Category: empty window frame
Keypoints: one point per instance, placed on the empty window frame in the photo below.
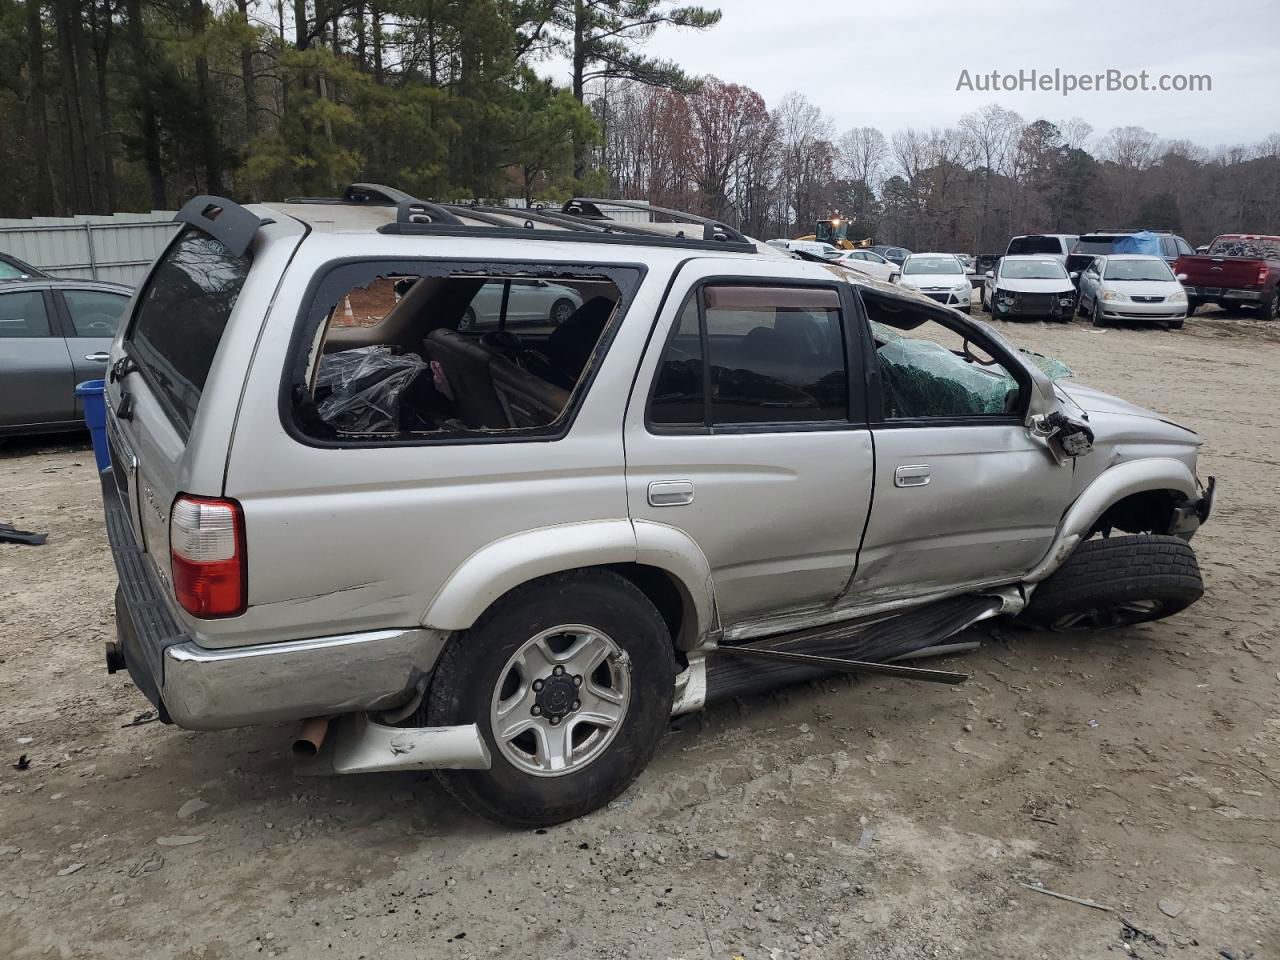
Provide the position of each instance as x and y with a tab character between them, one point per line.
423	352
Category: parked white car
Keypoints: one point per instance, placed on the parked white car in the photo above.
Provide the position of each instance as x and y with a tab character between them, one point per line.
939	276
870	263
1036	286
528	302
1132	287
815	247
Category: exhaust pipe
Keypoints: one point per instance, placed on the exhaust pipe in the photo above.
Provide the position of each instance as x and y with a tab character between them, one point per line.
311	736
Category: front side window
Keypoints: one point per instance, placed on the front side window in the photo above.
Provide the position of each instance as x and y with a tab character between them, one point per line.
181	317
94	313
928	370
767	354
23	315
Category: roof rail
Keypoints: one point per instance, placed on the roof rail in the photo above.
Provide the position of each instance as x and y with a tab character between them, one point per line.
589	208
423	211
1131	230
375	193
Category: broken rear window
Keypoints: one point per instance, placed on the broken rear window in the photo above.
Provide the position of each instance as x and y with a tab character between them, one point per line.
455	353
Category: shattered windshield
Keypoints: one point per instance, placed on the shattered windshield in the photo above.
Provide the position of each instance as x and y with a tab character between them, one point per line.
1048	269
1153	269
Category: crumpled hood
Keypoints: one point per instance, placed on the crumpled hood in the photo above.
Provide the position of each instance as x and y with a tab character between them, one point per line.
1095	401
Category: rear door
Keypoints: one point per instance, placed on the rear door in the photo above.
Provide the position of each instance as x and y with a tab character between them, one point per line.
743	433
36	382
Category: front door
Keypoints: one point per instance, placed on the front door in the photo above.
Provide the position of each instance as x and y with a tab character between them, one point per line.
964	494
741	432
36	385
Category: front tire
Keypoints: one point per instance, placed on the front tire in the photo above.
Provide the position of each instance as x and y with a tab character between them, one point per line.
1096	316
1113	582
570	680
561	310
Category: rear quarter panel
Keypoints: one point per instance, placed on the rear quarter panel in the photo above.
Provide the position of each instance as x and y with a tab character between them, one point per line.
345	539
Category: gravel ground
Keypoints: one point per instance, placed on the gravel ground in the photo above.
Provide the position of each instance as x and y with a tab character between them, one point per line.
855	818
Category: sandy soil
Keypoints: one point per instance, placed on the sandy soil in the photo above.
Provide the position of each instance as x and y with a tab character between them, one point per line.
853	818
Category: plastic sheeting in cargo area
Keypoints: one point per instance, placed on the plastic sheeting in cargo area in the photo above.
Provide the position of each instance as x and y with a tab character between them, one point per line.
925	379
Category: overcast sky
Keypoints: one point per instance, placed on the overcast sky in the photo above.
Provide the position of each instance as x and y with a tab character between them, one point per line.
896	63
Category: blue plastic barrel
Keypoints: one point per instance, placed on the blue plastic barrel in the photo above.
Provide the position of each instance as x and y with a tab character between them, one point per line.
95	418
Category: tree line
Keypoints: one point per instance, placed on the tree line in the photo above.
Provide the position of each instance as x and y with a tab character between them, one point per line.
720	151
110	105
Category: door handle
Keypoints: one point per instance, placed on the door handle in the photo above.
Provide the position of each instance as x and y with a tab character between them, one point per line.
670	493
912	475
99	357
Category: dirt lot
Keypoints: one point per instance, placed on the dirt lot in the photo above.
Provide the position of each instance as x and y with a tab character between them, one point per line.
1138	769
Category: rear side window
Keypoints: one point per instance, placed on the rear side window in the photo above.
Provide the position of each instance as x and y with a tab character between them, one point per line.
769	354
23	315
181	317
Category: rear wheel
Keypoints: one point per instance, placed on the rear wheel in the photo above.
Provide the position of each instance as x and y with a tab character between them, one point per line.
1271	309
570	680
1117	581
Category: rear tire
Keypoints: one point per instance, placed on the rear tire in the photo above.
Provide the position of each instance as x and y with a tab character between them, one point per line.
1113	582
1271	310
498	660
561	311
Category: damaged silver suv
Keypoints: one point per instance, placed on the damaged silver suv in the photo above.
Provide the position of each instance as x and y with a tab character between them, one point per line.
497	492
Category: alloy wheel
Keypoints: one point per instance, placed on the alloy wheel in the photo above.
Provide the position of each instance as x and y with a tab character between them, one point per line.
1107	617
560	700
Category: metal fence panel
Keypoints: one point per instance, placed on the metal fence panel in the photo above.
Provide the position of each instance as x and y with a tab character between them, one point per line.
119	247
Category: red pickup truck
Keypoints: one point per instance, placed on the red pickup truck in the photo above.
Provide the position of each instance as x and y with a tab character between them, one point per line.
1238	270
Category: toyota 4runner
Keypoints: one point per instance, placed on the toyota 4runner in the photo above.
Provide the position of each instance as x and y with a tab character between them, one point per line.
497	492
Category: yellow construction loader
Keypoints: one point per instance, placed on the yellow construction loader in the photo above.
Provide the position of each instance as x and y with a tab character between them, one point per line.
835	231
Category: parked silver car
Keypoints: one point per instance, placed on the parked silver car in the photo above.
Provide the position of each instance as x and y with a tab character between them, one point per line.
1132	287
53	335
513	557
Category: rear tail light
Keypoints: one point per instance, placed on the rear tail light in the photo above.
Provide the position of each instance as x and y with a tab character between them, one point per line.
206	548
1262	275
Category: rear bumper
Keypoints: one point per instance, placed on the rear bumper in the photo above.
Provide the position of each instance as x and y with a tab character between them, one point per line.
1224	293
204	689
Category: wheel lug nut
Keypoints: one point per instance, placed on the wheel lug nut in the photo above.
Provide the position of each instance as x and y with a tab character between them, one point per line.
537	685
536	711
577	681
577	704
555	721
558	671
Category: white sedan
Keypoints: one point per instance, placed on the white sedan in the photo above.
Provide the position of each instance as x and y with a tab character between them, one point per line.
870	263
1132	287
1029	285
939	276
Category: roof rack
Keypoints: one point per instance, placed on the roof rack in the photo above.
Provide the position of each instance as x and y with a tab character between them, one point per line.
712	230
1132	230
582	217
